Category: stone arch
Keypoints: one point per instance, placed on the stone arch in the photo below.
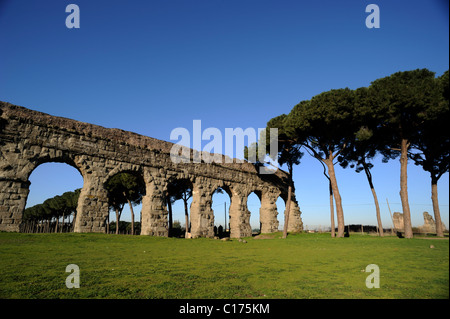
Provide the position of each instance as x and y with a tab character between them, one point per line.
226	187
16	189
29	137
35	163
123	168
283	196
173	176
66	179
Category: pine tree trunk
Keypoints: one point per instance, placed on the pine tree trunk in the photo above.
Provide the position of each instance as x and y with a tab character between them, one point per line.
62	224
117	221
377	207
132	217
333	227
337	197
287	210
404	189
288	203
437	213
186	215
375	199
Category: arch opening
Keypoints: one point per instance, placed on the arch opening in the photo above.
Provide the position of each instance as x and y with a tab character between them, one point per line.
125	192
220	205
51	203
178	200
281	207
254	207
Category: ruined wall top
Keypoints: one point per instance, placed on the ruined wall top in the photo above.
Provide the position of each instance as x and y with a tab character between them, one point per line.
90	131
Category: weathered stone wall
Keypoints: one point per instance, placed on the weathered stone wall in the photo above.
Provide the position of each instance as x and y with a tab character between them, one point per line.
398	221
429	225
29	138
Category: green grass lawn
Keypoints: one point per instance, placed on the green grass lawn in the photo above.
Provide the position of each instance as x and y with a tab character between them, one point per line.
301	266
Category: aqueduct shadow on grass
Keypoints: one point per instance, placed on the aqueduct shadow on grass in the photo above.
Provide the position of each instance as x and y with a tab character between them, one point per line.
29	138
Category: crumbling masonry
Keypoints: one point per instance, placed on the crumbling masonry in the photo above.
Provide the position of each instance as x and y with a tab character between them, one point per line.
29	138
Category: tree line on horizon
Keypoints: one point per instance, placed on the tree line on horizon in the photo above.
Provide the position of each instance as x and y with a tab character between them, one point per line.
55	208
404	115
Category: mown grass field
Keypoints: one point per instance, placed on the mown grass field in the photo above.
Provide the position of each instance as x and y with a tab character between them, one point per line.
301	266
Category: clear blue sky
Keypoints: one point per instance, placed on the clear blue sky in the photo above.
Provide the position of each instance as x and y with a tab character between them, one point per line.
152	66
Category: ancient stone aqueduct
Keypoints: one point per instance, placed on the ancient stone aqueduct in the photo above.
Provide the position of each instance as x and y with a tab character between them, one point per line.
30	138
